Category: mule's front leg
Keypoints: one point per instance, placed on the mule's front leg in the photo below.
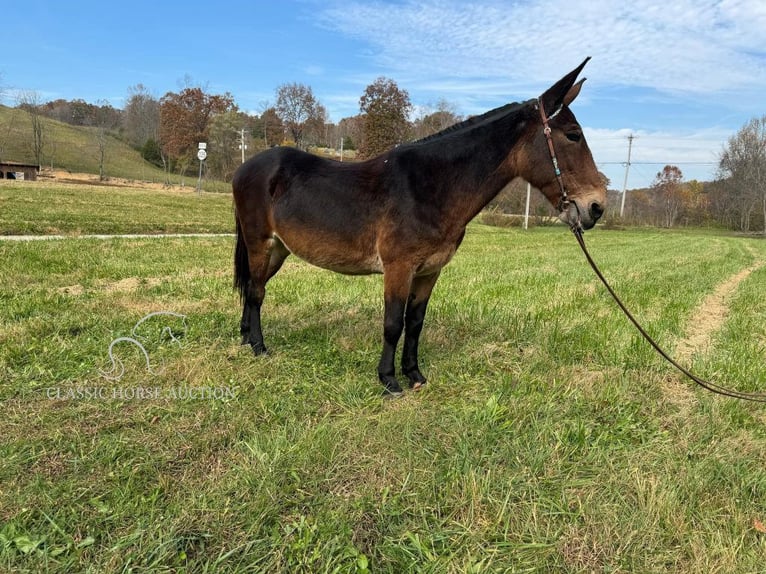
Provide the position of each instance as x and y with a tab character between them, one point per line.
393	323
415	314
396	289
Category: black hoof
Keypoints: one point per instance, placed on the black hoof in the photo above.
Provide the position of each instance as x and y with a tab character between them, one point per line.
391	394
417	380
259	349
391	387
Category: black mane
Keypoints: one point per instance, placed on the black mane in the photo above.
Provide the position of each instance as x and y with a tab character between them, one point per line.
472	122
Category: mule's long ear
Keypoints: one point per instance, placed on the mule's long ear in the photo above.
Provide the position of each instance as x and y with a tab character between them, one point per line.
562	92
573	92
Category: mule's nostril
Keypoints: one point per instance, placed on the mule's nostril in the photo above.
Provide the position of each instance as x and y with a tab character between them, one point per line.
596	210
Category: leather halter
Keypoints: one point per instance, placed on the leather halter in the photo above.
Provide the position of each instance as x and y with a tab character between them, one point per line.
564	201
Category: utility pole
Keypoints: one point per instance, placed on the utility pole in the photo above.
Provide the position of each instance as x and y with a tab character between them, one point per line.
526	209
627	168
242	144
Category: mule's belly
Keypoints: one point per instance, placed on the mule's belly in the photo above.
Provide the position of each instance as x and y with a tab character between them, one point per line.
332	252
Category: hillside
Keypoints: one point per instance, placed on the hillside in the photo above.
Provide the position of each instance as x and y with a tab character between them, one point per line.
74	149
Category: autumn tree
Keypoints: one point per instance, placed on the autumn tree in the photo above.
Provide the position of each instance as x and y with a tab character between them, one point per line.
315	132
669	194
297	108
386	108
184	121
272	128
742	169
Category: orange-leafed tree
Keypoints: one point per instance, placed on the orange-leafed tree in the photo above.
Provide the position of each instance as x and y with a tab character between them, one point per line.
184	121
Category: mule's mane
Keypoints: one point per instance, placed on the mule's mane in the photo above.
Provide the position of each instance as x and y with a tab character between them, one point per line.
473	121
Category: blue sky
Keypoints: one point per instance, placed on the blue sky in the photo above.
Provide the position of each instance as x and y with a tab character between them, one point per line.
682	75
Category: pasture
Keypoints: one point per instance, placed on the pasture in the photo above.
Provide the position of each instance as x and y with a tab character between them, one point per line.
550	437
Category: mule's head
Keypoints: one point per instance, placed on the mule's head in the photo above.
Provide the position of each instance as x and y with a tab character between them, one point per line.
558	162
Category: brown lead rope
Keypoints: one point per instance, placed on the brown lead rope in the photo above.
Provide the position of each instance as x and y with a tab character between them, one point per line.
757	397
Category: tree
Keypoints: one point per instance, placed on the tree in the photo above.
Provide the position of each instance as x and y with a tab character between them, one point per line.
316	128
742	167
669	194
30	102
102	121
296	106
223	143
350	129
184	121
273	128
443	116
386	109
141	117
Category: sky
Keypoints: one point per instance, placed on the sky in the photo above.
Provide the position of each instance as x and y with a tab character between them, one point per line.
682	76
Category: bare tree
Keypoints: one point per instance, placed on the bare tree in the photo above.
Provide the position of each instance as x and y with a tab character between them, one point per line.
297	106
742	166
6	126
141	117
434	119
29	101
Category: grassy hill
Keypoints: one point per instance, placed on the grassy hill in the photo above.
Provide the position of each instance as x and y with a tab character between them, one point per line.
74	148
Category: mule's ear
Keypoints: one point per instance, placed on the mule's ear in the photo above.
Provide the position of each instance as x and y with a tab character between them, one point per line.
562	92
573	92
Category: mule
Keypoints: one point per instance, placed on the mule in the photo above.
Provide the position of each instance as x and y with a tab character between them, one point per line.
404	213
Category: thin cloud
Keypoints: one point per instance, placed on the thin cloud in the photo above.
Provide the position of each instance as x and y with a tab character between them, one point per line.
687	46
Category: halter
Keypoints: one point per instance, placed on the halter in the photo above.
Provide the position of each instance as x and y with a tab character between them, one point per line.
564	202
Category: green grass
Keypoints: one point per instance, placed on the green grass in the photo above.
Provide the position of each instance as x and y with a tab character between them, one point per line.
549	439
38	208
75	148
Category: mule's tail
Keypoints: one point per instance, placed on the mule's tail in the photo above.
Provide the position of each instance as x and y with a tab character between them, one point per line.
241	264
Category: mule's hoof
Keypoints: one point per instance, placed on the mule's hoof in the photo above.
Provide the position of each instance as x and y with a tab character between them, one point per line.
392	394
417	380
391	387
259	349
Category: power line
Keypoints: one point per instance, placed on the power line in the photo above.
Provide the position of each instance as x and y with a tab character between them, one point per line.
658	162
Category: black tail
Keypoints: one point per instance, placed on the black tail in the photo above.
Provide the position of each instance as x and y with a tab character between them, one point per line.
241	264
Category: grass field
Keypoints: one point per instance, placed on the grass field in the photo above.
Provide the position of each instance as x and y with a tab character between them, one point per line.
36	208
550	438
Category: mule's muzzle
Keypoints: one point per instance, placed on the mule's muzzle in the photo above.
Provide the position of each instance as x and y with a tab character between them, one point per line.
581	217
596	210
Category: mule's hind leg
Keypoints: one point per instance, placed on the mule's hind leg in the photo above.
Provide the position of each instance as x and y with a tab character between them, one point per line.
414	315
265	257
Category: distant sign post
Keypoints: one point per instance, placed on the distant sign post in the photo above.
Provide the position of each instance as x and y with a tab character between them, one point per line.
201	156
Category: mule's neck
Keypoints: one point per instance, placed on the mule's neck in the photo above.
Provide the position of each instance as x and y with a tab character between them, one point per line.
473	163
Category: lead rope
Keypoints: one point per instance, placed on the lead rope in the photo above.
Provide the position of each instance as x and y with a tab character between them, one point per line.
712	387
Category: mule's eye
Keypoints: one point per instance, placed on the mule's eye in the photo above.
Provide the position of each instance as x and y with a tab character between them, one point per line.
574	136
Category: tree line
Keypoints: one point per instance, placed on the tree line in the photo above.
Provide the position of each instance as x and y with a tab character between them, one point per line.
167	131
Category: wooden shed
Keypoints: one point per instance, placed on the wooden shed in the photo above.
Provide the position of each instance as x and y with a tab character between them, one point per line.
16	170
